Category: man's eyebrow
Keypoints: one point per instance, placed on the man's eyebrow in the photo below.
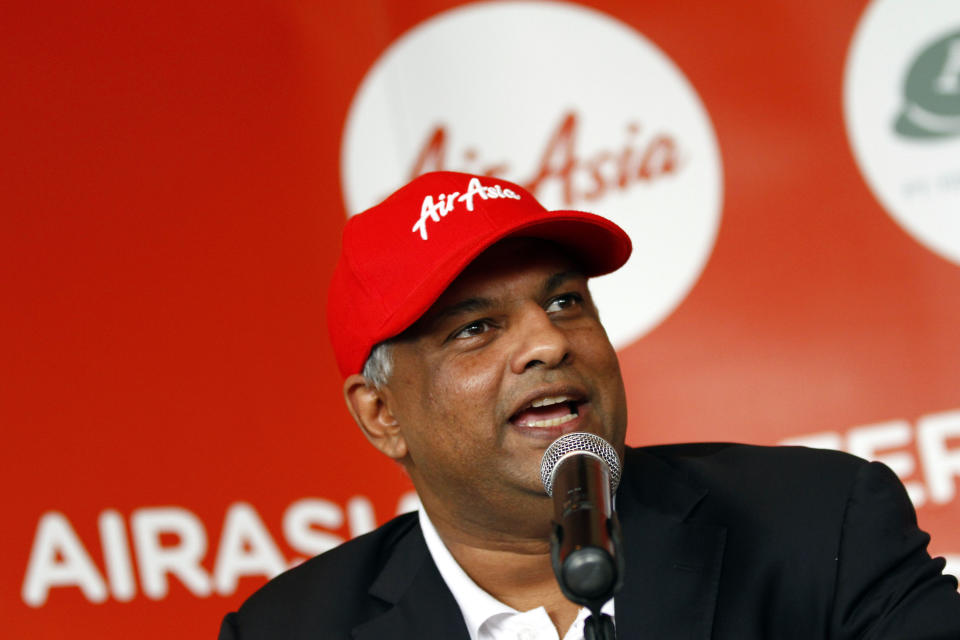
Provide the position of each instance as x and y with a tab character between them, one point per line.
479	304
559	279
468	305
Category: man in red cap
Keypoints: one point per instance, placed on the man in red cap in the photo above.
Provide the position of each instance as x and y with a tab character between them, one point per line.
462	323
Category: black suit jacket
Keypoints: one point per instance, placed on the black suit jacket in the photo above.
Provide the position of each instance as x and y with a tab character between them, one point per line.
721	541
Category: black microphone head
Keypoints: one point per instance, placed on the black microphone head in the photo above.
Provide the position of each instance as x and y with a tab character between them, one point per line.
578	443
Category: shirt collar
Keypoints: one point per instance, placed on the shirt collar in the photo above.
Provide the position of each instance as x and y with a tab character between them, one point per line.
476	604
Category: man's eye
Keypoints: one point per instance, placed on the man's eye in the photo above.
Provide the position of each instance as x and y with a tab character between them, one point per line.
475	328
564	301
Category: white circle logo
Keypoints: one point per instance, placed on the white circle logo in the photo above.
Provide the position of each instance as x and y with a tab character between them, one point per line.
577	107
902	110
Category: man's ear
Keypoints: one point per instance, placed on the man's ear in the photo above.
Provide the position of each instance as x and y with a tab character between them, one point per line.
370	408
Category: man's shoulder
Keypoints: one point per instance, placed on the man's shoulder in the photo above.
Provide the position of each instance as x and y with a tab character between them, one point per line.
330	589
355	561
788	485
748	462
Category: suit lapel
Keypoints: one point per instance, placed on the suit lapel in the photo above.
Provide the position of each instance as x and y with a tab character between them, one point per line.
672	564
422	605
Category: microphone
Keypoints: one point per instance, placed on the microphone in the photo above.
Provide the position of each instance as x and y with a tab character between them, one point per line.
581	472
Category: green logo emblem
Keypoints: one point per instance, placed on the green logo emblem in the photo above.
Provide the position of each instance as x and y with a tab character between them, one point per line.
932	92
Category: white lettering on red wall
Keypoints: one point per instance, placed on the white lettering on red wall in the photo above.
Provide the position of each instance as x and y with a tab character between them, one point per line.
59	559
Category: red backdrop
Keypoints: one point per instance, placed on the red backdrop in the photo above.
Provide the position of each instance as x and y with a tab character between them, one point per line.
172	199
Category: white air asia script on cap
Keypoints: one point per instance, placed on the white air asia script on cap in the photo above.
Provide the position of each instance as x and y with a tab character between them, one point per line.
446	202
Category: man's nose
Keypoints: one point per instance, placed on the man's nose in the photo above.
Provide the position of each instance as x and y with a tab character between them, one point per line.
539	341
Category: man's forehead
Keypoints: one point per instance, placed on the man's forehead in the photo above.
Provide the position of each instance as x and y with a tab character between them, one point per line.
515	258
528	262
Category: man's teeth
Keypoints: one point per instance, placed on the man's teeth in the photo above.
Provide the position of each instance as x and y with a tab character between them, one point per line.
543	402
552	423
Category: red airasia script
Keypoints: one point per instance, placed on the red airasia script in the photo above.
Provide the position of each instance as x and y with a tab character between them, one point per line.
581	178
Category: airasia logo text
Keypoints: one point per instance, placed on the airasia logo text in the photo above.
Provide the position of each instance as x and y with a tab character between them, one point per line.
581	178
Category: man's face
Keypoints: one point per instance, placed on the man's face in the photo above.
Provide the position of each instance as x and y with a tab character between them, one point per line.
509	358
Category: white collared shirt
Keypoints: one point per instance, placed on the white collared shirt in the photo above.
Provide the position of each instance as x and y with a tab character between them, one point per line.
487	618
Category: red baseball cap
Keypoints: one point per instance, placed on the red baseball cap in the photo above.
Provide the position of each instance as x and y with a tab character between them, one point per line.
399	256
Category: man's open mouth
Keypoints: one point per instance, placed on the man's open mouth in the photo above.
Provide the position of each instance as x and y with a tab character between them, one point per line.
547	412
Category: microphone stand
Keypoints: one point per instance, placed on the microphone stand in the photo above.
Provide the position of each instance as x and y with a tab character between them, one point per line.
599	625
